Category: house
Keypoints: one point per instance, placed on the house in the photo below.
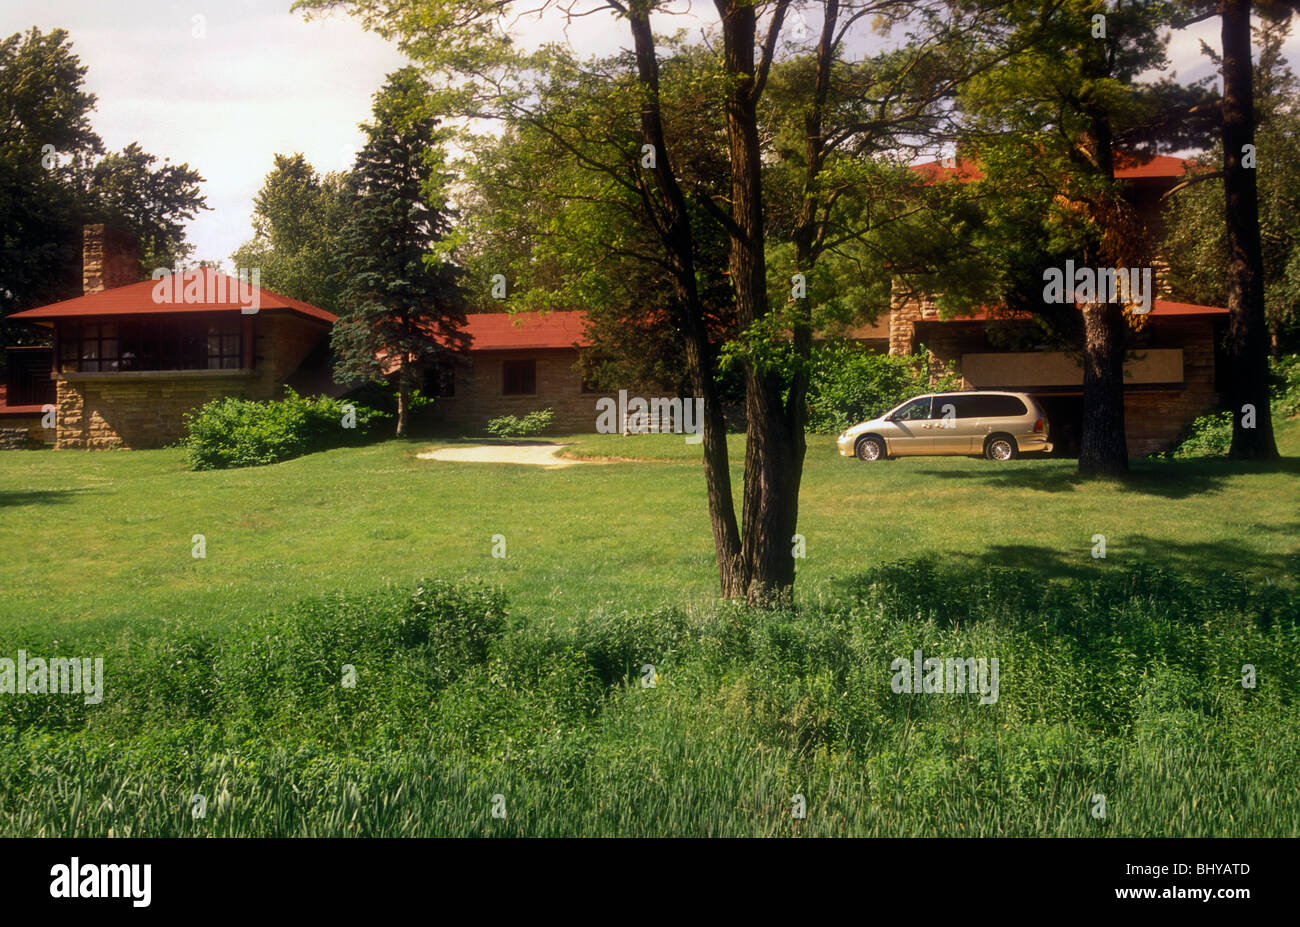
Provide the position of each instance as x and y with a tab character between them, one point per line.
130	358
1174	369
519	364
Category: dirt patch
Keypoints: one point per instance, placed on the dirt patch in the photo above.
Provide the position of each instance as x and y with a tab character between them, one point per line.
537	455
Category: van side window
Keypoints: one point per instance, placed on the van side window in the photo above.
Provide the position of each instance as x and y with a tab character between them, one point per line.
914	411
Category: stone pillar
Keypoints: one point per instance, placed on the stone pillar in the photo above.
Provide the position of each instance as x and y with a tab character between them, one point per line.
905	311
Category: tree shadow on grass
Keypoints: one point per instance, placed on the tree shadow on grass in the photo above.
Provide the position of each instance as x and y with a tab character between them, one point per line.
1132	551
38	496
1169	479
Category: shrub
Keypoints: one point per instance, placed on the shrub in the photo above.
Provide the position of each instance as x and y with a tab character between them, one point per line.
1210	435
234	432
511	426
849	384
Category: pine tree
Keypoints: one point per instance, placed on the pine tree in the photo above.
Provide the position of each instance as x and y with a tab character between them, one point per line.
403	310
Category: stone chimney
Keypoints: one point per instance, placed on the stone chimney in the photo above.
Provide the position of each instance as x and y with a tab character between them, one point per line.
109	258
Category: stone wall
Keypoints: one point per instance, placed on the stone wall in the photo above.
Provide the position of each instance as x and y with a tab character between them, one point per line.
559	388
143	409
1154	418
22	432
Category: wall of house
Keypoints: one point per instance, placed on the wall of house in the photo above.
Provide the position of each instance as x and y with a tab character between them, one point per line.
559	388
1153	418
17	432
143	409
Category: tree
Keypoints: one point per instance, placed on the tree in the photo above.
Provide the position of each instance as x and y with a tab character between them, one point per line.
1047	125
126	190
402	306
55	178
298	218
487	77
1195	245
1252	435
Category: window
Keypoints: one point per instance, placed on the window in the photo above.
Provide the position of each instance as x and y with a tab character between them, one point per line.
915	410
440	380
100	347
518	377
981	405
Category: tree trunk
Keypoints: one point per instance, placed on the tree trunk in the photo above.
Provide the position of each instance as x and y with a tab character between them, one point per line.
1103	445
1103	450
774	440
1248	339
403	397
678	238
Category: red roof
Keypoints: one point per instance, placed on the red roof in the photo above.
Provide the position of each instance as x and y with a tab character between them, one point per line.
219	293
523	331
1161	308
1126	168
502	331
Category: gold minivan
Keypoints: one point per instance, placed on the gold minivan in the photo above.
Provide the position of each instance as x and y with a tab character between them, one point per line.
996	425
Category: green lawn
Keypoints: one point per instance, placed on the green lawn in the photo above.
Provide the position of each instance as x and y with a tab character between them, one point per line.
223	678
106	537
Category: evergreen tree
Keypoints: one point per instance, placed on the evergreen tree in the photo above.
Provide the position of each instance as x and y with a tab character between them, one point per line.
403	310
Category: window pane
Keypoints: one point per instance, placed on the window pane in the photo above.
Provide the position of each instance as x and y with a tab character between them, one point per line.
519	377
108	349
914	410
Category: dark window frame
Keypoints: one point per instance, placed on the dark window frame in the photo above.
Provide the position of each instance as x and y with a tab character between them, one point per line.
129	345
524	370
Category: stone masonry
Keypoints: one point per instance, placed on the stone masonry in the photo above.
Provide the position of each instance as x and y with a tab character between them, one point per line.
147	408
559	388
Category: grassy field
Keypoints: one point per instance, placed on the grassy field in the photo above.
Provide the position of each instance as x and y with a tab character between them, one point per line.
522	677
104	540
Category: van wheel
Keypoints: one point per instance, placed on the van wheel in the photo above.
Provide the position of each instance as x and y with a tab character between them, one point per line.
1001	447
869	448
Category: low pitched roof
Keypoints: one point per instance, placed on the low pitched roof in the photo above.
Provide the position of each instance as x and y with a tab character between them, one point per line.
139	299
1127	167
1160	308
502	331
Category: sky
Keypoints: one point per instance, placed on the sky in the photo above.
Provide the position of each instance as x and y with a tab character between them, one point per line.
226	86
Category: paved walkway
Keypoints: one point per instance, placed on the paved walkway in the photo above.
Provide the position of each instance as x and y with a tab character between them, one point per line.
539	455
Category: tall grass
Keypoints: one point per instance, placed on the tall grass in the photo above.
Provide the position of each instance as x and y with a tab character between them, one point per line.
1127	685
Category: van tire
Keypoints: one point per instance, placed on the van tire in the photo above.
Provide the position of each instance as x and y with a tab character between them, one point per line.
1001	447
869	448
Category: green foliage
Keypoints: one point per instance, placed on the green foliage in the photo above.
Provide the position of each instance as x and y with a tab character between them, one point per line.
1126	682
849	384
298	217
512	426
234	432
401	303
55	177
1210	435
1195	243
